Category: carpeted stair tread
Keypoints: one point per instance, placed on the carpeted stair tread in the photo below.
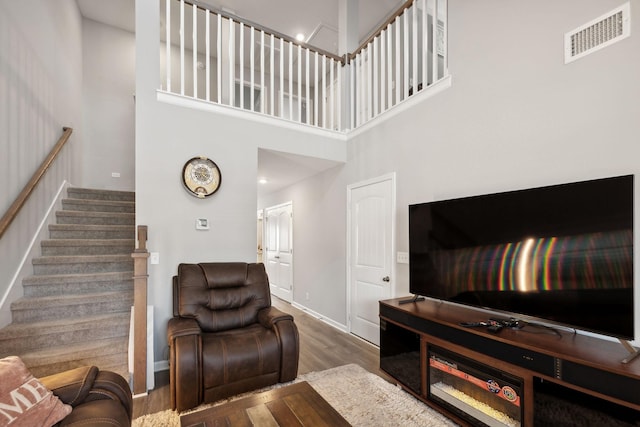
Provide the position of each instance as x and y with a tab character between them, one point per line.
95	217
17	338
70	259
98	205
66	300
67	247
88	242
63	284
17	330
91	227
105	354
82	263
98	194
34	309
89	231
78	278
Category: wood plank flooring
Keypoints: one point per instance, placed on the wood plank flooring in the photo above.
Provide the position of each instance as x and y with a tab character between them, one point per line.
321	347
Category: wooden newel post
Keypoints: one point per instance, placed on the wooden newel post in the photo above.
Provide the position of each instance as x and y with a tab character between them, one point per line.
140	275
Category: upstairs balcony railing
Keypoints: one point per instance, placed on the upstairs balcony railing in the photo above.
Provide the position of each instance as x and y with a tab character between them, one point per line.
219	58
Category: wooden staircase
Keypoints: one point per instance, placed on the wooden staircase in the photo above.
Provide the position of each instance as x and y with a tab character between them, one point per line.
76	305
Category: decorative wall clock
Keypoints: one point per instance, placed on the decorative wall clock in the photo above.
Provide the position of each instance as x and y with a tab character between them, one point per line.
201	177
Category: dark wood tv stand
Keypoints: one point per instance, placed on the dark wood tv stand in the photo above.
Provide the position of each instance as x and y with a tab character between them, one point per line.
574	361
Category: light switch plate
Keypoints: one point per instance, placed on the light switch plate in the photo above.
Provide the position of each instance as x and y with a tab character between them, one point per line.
154	258
403	257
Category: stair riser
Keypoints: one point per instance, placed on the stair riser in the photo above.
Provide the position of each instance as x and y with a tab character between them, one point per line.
67	311
100	220
80	206
44	340
91	234
79	268
87	250
43	289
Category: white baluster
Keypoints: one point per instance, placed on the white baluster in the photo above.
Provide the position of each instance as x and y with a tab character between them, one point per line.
241	66
208	54
252	69
168	43
194	51
181	47
405	55
219	60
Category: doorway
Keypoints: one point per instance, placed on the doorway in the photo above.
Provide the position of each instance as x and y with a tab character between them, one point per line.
370	248
278	249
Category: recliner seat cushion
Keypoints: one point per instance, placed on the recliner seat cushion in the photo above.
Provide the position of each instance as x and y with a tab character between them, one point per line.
239	355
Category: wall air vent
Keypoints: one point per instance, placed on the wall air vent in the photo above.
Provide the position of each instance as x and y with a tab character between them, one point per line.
597	34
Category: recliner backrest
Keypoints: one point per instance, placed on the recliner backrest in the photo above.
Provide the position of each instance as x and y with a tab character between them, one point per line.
221	296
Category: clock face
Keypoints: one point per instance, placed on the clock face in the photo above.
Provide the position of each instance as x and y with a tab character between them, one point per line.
201	177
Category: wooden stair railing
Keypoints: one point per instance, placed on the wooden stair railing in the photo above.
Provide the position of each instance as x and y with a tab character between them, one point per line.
22	198
140	276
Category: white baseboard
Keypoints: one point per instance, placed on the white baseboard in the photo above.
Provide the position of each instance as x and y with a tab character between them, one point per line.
31	252
319	316
161	365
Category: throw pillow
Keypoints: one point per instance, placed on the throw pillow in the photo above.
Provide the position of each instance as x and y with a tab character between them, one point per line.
24	401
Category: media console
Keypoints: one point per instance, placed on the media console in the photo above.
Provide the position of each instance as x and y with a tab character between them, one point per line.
456	369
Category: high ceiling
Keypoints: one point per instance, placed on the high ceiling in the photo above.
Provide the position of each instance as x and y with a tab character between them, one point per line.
316	19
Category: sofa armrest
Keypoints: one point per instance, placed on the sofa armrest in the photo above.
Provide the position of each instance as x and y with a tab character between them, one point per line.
269	316
111	386
98	398
72	386
182	326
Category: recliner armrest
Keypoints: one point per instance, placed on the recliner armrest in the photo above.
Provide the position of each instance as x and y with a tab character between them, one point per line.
72	386
269	316
180	326
285	328
185	361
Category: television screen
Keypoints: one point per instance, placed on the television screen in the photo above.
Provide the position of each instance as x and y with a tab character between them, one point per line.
562	253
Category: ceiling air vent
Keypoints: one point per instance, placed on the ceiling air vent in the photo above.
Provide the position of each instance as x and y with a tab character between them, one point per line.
601	32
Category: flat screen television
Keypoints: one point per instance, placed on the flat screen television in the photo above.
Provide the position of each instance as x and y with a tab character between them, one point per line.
561	254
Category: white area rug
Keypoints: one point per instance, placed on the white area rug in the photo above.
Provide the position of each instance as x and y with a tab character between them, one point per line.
362	398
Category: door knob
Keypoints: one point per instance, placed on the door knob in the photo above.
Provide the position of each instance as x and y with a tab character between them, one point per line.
386	279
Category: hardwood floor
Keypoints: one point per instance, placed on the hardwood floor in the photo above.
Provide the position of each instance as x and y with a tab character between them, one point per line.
321	347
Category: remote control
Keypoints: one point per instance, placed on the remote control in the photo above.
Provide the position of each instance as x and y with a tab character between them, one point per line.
473	324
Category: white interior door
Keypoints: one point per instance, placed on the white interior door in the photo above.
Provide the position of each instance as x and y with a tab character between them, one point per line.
278	249
371	224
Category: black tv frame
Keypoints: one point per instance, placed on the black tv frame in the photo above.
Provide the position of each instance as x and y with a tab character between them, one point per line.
607	195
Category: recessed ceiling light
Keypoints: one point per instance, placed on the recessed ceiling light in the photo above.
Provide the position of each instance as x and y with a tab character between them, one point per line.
262	181
300	37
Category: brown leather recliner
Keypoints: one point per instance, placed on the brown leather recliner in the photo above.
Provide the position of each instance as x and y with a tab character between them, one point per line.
99	398
225	337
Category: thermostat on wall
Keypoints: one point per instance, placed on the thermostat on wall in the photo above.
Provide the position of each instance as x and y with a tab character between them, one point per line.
202	224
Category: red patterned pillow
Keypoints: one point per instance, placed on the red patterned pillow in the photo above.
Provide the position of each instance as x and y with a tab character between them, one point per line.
24	401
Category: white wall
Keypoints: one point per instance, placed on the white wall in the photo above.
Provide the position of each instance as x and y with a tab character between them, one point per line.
515	117
40	92
108	93
319	245
166	137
